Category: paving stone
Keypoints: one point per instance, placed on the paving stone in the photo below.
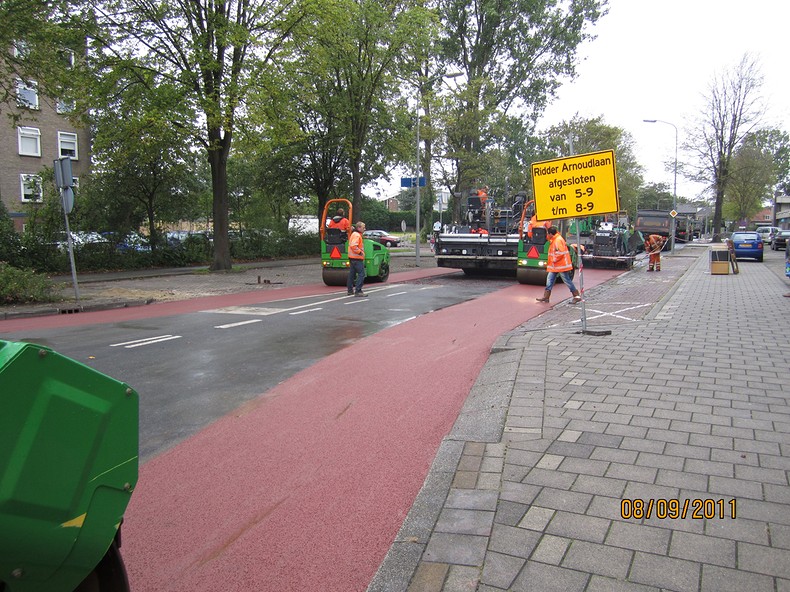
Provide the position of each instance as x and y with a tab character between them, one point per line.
602	584
740	529
461	549
500	570
558	499
580	527
599	485
510	513
719	579
598	559
704	549
429	577
471	499
462	579
556	479
548	578
518	542
551	549
665	572
764	560
465	521
639	537
537	518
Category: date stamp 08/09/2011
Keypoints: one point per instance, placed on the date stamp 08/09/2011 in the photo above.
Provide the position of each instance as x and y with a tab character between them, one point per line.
674	509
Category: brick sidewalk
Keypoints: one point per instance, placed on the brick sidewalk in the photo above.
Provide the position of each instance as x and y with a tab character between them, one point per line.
537	486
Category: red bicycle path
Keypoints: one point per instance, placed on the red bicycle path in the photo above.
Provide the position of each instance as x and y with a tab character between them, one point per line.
306	486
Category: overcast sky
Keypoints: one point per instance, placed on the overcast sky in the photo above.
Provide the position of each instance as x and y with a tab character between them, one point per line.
656	60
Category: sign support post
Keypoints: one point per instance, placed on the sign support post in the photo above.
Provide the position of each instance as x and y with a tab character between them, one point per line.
65	182
574	187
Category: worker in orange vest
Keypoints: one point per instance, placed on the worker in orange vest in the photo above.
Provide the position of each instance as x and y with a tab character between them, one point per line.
559	264
356	260
340	221
534	222
653	245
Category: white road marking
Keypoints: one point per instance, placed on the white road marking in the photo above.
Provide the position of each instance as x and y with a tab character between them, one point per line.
298	312
246	310
240	323
258	311
148	341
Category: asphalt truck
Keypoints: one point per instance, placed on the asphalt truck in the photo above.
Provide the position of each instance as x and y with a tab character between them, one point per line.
68	467
606	241
334	251
487	239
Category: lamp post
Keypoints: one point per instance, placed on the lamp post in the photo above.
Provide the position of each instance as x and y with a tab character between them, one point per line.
675	188
421	84
417	185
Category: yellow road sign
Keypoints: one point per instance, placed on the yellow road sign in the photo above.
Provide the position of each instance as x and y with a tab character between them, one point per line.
575	186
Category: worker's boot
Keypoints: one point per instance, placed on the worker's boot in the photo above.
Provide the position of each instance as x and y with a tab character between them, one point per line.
546	296
576	297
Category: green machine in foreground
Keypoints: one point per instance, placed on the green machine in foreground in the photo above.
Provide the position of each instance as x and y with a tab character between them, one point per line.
533	252
334	252
68	466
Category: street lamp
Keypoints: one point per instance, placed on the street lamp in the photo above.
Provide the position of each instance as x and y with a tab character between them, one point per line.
417	178
420	93
675	188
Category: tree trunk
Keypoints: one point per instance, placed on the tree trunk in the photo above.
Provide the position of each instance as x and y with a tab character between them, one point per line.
218	161
357	184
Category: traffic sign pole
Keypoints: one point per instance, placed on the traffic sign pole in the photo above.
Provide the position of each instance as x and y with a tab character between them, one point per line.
575	187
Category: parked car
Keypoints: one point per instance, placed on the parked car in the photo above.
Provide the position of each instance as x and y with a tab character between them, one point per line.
780	240
748	245
767	233
383	237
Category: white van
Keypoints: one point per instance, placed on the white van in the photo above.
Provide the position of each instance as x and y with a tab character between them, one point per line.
767	233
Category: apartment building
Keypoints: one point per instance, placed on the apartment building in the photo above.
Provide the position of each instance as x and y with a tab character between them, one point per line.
42	134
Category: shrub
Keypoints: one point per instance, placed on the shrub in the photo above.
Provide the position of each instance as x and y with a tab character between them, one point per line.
18	286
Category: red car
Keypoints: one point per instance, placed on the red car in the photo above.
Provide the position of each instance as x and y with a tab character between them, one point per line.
383	237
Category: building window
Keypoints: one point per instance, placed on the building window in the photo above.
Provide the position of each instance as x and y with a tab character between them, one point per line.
67	145
29	141
21	49
27	94
67	57
30	188
64	106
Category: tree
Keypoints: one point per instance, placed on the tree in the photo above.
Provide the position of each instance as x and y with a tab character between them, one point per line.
358	54
655	196
211	53
43	35
733	110
777	143
593	135
752	177
144	167
513	56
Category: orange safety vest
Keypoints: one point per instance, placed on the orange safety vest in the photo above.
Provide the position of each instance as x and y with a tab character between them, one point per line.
559	256
533	222
654	243
356	246
338	222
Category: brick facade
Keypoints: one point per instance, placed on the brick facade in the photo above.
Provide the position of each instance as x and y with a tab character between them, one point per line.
49	124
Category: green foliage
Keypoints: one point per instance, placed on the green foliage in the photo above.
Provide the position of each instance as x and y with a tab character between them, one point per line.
512	56
10	243
374	214
593	135
20	286
752	179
